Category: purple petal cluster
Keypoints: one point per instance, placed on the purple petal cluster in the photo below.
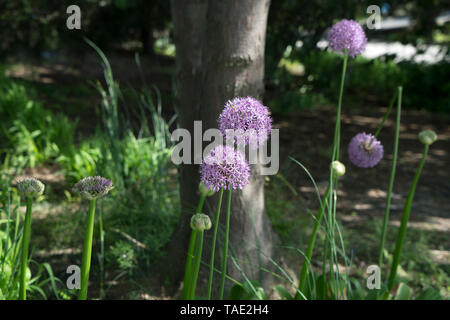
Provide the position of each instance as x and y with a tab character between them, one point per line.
225	167
249	118
363	152
93	187
347	35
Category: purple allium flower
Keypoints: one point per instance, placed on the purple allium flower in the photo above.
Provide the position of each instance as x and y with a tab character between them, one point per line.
224	167
347	35
248	115
30	187
363	152
93	187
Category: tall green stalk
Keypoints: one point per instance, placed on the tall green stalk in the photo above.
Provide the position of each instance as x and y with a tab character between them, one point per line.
102	253
25	245
196	265
388	111
225	248
392	176
404	222
188	269
213	245
312	240
190	255
335	157
337	129
87	252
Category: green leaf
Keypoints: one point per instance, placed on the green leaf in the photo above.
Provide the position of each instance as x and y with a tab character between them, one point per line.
403	292
283	292
248	291
429	294
373	295
321	288
237	292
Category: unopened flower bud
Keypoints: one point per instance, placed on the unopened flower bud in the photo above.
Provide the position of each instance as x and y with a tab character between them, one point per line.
427	137
200	222
338	168
30	187
204	190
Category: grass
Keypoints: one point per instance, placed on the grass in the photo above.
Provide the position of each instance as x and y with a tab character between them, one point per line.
290	217
142	211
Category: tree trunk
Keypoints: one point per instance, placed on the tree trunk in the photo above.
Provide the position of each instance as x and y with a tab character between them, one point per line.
220	55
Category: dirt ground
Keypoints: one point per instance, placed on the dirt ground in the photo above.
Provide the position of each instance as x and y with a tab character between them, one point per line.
307	135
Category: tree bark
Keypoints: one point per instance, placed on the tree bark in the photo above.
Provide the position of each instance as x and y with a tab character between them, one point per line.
220	55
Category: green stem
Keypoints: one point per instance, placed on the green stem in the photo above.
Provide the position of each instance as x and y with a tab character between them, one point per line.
200	203
311	244
25	245
404	222
190	255
87	252
334	157
391	178
225	249
337	129
188	270
197	260
213	245
380	126
102	251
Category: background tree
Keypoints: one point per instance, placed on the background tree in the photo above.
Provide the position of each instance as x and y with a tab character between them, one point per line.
220	55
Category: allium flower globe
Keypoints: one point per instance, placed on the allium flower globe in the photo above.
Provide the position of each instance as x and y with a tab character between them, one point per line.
225	167
30	187
363	152
249	115
93	187
347	35
200	222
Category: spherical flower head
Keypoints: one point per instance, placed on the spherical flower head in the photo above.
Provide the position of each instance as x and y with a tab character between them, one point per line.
365	151
427	137
92	188
249	118
200	222
347	35
204	190
30	187
338	168
224	167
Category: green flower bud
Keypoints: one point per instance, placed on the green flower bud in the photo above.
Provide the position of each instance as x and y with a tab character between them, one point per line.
427	137
204	190
30	187
200	222
338	168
